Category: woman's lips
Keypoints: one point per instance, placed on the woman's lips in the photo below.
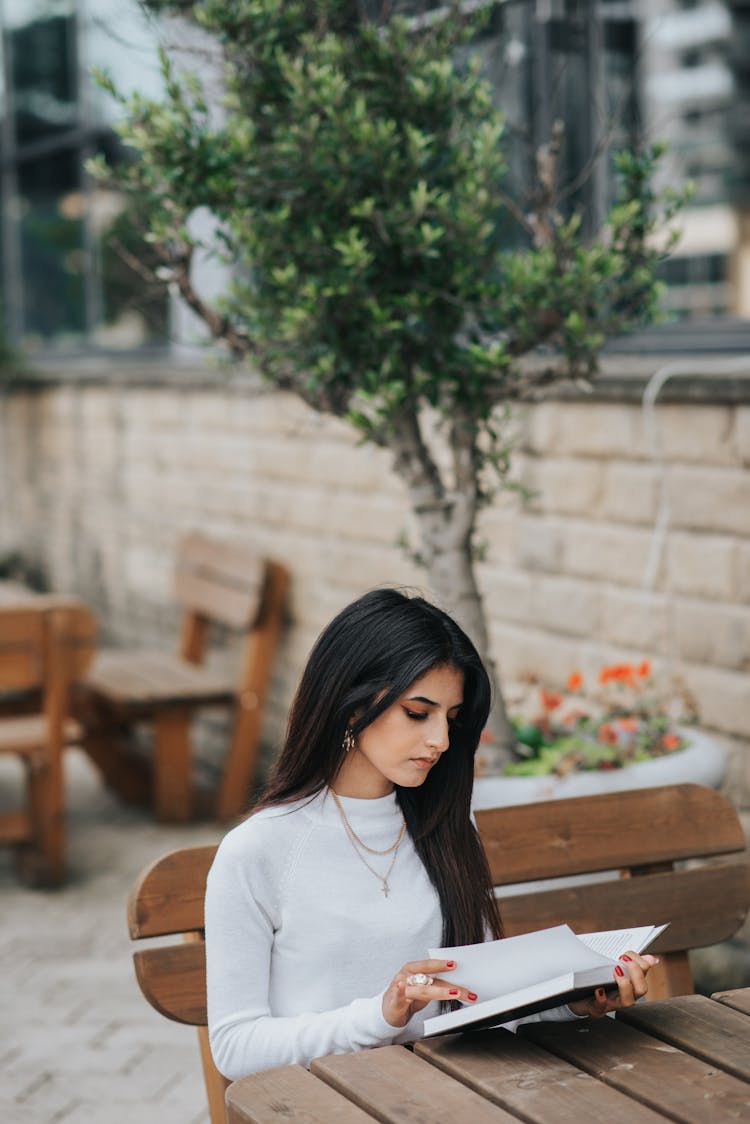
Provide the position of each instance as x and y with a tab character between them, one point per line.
424	762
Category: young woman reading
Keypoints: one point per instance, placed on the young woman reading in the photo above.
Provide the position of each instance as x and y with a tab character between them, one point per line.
362	852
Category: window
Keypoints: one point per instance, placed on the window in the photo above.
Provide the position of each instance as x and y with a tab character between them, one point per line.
61	285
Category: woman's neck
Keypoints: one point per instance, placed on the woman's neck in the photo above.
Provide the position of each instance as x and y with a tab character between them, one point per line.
359	779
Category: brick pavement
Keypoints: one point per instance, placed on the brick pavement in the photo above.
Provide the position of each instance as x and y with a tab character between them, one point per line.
78	1043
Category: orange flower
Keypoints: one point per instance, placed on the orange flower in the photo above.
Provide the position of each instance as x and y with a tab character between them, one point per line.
629	725
575	681
550	699
605	674
644	669
623	672
607	734
670	741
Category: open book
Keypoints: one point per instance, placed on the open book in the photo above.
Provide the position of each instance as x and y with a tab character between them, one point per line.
519	976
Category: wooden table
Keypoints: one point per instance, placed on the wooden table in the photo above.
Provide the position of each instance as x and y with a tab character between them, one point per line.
684	1059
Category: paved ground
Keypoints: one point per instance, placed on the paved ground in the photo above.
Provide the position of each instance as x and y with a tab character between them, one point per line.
78	1043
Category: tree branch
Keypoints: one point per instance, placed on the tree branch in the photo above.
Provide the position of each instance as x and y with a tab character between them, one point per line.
220	327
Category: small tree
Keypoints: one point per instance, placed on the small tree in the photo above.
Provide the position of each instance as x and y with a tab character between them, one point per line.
356	174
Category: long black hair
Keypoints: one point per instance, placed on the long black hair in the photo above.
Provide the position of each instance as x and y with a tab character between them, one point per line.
360	665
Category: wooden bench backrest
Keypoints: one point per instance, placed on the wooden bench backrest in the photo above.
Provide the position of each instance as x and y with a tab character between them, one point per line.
221	581
639	833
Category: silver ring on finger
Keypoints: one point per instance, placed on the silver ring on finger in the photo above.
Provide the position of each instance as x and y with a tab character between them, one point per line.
419	979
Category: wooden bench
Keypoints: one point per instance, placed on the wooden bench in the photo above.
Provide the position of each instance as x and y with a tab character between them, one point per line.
43	650
641	834
217	584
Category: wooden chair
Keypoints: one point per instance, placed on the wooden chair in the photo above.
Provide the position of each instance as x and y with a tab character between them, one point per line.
42	650
642	834
216	583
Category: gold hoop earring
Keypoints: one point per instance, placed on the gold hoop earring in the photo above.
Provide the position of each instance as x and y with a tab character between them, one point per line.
348	743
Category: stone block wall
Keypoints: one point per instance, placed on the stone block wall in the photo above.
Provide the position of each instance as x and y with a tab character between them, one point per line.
99	477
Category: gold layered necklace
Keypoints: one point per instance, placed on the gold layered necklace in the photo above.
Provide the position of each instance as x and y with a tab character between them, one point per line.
358	846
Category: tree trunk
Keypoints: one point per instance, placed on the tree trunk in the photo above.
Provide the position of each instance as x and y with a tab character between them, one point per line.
451	575
446	517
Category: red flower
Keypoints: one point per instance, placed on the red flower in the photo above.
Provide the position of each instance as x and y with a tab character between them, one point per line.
624	672
670	741
644	669
607	734
575	681
550	699
630	725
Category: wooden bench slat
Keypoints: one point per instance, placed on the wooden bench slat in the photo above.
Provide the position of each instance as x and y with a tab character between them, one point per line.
394	1085
660	829
682	1087
169	894
514	1073
276	1094
133	679
738	998
713	1032
173	979
26	734
723	891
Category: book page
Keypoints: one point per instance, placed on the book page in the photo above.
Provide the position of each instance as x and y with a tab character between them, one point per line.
616	941
498	967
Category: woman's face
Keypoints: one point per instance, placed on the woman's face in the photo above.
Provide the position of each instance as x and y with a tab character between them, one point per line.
405	741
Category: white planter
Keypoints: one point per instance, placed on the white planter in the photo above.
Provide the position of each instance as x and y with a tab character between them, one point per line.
702	762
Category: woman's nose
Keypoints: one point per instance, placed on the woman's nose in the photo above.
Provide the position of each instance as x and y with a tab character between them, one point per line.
438	735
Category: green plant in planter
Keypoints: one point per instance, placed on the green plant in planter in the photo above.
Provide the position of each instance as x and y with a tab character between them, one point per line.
625	721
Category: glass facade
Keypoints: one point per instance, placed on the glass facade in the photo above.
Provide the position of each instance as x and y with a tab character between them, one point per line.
60	288
600	64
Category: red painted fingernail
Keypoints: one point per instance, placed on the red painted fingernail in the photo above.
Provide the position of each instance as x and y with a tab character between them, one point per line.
618	970
450	963
626	957
472	996
454	992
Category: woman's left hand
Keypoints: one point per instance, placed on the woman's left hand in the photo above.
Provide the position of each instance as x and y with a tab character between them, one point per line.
630	977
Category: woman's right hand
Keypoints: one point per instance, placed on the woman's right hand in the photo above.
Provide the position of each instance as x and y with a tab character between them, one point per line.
402	999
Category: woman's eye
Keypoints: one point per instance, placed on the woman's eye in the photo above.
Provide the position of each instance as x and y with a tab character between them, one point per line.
415	715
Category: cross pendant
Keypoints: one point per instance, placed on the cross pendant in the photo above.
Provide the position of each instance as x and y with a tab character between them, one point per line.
385	889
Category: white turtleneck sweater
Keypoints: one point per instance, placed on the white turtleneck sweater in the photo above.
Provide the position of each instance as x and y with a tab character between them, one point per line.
301	942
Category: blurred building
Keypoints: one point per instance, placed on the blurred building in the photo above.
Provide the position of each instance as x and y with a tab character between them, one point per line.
61	281
667	70
613	69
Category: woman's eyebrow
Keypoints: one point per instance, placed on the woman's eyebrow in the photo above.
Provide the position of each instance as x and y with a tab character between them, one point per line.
431	702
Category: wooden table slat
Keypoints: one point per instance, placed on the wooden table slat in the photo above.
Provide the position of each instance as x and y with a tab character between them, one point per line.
700	1026
739	999
289	1093
681	1086
395	1086
516	1074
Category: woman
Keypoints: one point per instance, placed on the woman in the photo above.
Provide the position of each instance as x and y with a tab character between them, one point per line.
361	853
